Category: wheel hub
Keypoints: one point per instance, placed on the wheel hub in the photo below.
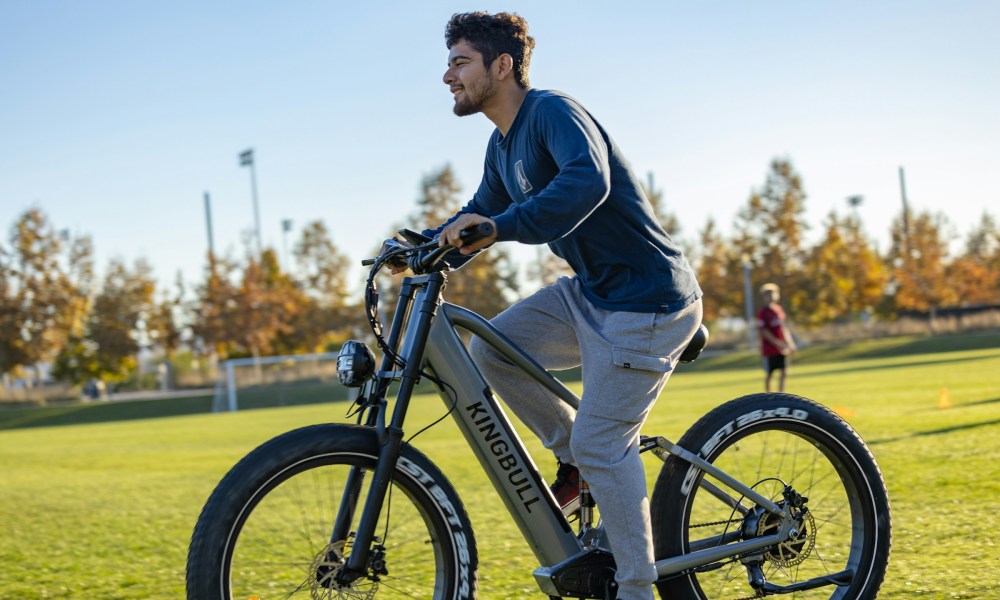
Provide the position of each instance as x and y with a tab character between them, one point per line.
327	565
796	548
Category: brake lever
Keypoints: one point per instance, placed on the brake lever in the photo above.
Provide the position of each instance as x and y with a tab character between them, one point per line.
397	254
418	259
393	253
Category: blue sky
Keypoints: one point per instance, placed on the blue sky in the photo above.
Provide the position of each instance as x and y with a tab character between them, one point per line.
116	117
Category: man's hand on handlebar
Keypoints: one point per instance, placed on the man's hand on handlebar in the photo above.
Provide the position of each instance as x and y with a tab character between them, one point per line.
450	235
471	234
396	266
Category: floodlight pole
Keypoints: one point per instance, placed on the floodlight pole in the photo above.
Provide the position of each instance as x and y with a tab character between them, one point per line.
208	224
286	226
854	202
748	300
906	212
246	160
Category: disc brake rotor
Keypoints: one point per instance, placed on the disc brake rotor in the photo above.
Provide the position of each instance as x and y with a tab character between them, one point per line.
795	549
326	566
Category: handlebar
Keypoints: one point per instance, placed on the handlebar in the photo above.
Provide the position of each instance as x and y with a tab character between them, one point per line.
424	257
469	235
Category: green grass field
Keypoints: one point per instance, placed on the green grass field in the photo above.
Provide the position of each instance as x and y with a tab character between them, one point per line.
105	509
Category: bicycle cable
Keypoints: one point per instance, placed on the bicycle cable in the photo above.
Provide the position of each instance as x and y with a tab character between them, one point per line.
371	310
731	520
371	307
454	402
371	295
451	394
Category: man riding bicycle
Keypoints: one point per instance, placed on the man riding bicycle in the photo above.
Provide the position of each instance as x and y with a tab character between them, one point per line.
554	176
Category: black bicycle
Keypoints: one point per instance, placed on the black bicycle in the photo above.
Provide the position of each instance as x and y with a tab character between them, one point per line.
766	494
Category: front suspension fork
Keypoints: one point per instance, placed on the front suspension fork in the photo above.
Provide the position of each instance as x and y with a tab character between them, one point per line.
357	562
390	436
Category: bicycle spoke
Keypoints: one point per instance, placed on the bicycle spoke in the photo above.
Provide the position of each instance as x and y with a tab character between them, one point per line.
798	466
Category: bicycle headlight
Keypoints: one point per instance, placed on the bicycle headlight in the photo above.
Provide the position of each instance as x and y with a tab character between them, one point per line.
355	364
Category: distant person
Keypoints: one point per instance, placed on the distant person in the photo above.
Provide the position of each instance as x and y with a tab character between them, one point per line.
776	343
94	389
90	390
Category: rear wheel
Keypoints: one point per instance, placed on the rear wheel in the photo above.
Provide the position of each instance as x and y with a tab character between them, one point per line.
789	450
266	530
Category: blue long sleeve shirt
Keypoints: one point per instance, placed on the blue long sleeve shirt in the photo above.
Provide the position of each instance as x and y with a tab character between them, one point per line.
558	178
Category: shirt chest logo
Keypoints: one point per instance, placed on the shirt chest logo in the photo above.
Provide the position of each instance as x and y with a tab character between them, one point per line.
522	179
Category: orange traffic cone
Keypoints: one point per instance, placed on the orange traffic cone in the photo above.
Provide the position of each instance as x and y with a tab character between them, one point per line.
843	411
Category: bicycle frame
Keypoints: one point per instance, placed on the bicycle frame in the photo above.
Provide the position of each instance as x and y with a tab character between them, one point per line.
431	340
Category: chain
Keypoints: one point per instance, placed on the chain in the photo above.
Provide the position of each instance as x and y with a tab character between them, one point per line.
710	524
756	596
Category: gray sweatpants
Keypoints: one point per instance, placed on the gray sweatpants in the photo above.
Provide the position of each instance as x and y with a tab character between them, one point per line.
626	358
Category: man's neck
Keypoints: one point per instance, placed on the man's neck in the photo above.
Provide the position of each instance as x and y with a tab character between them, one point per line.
504	110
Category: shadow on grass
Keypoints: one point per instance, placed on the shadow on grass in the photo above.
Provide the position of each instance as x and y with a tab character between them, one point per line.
856	350
978	403
932	432
883	367
127	410
930	345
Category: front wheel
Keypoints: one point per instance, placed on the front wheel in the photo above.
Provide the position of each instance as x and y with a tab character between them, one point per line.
789	450
265	532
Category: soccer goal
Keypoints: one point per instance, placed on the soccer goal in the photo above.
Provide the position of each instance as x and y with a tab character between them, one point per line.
276	381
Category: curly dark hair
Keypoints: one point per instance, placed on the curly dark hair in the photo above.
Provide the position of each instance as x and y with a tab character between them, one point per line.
493	35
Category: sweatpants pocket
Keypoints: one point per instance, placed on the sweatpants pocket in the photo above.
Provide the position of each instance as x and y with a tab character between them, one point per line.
630	359
627	387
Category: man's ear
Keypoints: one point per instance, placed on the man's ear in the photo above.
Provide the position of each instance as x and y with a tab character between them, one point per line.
505	66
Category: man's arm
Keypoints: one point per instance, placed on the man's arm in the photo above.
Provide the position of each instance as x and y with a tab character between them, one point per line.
581	183
790	347
785	345
489	200
770	337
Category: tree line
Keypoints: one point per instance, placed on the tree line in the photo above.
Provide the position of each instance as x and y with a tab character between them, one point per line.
843	276
54	310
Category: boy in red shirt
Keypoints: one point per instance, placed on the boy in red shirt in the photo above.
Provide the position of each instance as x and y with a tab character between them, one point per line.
776	341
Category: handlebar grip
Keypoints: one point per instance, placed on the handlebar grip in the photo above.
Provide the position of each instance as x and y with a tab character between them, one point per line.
475	233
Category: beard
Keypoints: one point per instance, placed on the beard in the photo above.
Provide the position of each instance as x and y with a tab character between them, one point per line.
472	99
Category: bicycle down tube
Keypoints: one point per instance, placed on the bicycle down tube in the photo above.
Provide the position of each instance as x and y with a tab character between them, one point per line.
491	435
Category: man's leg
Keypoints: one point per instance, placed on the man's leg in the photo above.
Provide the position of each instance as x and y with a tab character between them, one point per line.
541	326
768	371
627	359
607	453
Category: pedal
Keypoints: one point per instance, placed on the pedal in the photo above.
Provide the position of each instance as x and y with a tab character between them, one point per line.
572	510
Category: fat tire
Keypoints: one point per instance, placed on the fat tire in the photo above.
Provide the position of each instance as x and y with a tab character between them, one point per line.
733	426
231	505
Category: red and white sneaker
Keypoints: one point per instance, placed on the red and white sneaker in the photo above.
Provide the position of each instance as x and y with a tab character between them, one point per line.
566	488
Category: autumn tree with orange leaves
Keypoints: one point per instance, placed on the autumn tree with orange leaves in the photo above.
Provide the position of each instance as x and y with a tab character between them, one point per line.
45	279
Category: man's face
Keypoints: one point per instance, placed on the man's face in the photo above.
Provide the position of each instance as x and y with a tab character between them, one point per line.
469	80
